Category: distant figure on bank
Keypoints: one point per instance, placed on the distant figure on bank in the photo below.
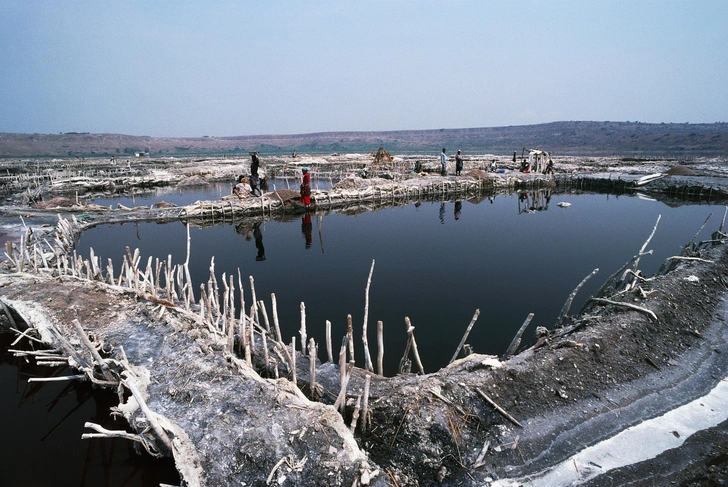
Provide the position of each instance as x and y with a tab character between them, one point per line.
443	162
514	157
493	166
306	188
549	167
242	189
458	163
255	164
294	154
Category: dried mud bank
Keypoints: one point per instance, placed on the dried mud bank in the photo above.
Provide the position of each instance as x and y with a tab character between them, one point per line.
219	391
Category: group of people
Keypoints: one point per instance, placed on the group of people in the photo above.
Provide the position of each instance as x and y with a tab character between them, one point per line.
525	165
254	185
458	162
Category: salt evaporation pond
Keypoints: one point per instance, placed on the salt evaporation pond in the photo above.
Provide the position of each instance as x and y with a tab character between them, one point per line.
436	263
430	266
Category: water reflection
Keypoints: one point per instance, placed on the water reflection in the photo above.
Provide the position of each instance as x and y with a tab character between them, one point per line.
531	201
251	231
434	273
307	229
258	235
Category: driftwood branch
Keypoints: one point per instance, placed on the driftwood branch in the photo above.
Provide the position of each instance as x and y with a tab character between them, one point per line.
130	384
570	299
700	229
678	257
627	305
644	245
94	353
448	402
104	433
498	408
57	379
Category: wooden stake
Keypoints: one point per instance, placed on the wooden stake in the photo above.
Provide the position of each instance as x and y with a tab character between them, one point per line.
261	307
365	406
517	339
255	299
350	337
312	366
251	322
274	306
380	348
340	400
293	360
465	337
355	415
329	351
302	331
264	338
411	333
364	339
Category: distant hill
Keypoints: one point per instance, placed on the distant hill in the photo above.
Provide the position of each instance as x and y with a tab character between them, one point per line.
565	138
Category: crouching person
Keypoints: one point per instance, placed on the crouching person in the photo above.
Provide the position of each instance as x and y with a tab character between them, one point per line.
242	188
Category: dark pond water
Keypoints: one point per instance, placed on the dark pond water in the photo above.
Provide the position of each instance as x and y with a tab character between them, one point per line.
41	431
436	263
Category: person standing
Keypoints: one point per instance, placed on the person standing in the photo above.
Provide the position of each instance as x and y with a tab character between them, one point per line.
458	163
306	188
443	162
254	178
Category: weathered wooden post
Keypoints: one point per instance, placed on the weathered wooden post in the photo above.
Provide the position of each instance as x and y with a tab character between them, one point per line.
312	366
380	348
329	351
517	339
350	337
302	330
364	339
465	337
274	306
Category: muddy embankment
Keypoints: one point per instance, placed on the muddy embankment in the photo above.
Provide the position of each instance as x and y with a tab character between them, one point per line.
219	390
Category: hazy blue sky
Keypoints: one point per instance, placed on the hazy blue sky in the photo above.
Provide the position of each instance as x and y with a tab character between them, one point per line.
192	68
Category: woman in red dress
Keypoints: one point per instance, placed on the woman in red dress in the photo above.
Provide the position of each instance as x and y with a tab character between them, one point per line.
306	188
